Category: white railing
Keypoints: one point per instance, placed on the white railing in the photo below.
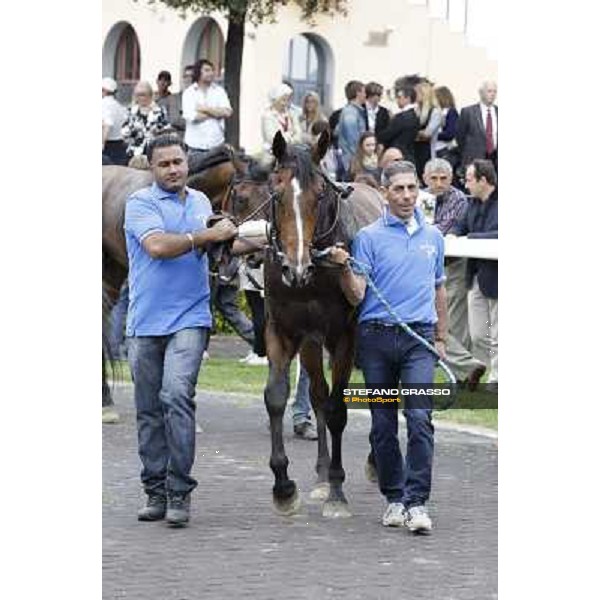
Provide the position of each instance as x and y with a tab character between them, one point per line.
470	248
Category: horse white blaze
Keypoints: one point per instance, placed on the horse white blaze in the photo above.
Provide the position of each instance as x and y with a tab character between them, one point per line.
299	223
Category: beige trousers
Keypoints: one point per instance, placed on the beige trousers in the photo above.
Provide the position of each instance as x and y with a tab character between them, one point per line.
459	357
483	327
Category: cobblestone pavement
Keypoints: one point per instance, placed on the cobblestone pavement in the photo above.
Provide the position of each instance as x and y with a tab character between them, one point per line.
237	547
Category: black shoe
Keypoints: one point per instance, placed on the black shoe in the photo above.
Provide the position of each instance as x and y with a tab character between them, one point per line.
306	431
178	509
474	376
155	509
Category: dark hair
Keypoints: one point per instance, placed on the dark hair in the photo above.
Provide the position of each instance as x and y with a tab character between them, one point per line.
412	80
318	127
288	83
198	68
408	91
165	76
163	141
485	168
352	88
373	89
444	97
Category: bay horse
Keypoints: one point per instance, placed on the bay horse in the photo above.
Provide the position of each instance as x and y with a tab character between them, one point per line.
306	310
211	173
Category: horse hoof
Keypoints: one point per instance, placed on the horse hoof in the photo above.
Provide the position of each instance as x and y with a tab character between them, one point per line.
289	506
320	492
371	472
336	510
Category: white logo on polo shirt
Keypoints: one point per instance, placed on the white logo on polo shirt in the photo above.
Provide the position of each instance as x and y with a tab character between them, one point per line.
429	249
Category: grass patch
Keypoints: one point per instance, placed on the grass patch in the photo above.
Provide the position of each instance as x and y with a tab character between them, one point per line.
229	376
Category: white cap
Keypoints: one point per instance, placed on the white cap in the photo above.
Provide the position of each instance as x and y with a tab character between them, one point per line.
279	91
109	84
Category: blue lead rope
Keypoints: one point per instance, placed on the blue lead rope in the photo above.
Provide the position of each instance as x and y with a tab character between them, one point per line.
363	269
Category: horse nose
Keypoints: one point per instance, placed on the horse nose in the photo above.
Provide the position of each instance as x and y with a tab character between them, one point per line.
308	273
288	274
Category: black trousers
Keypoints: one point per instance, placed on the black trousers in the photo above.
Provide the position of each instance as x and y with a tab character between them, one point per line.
257	307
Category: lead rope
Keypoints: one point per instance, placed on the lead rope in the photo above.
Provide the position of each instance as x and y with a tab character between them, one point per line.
362	269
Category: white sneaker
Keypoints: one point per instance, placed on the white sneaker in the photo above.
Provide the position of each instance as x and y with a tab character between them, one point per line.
395	515
417	520
257	361
205	355
248	357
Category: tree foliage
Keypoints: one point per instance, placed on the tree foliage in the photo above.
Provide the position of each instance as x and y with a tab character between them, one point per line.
255	11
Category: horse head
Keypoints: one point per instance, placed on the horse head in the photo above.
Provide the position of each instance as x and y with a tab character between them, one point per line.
248	197
303	205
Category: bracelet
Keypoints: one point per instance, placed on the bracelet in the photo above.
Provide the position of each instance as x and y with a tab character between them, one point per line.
190	237
441	339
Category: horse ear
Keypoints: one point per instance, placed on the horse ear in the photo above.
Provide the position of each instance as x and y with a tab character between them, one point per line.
321	146
279	146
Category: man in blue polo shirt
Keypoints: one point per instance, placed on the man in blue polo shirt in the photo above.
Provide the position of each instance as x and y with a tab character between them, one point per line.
168	323
404	257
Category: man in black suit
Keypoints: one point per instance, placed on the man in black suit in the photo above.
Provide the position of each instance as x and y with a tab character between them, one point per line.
480	220
404	126
377	117
477	133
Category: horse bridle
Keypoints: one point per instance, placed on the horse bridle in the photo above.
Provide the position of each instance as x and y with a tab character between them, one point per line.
275	248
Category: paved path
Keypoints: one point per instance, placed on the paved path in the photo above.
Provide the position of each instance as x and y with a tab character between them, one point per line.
237	547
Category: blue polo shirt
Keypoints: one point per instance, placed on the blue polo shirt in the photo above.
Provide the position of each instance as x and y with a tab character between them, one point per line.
405	265
170	294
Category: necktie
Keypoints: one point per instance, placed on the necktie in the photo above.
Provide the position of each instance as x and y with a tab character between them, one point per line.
489	133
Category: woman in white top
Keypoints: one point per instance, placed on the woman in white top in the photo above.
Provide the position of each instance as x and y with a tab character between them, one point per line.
311	113
278	118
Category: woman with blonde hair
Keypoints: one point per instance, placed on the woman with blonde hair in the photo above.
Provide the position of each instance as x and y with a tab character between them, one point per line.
145	120
278	118
311	113
430	117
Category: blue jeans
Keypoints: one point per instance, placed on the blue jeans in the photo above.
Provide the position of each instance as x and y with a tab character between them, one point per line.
386	356
165	371
301	405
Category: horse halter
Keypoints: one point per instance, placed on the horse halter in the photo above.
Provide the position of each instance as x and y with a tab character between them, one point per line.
275	246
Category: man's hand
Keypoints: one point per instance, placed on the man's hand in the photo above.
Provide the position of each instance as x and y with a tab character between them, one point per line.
224	230
440	346
339	256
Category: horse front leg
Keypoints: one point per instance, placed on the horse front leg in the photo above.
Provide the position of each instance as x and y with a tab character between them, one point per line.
336	414
280	351
312	359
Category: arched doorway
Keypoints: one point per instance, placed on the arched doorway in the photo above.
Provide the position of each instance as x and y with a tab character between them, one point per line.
205	40
308	66
121	59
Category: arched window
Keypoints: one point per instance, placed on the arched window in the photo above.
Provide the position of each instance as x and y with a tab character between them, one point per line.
308	66
211	45
127	59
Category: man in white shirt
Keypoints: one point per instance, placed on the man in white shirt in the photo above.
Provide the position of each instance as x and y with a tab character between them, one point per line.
205	108
113	117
